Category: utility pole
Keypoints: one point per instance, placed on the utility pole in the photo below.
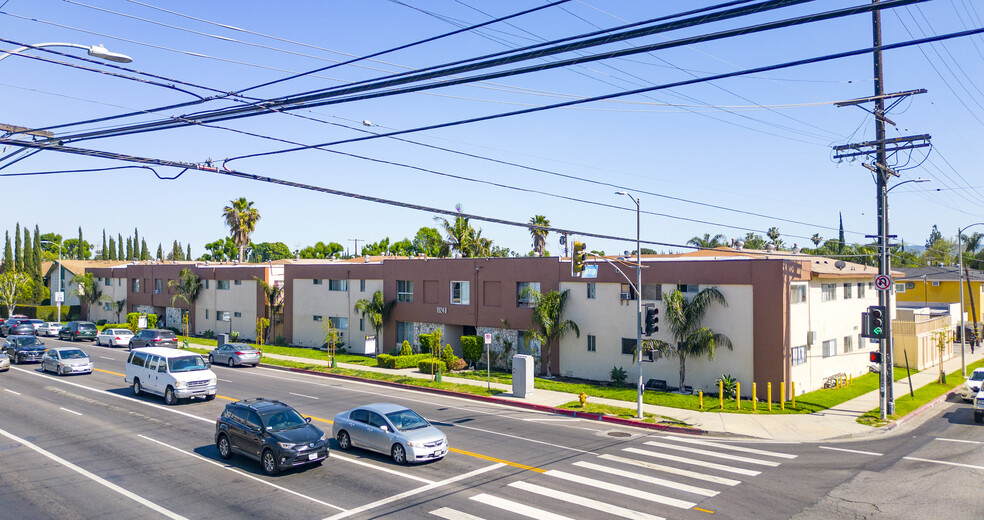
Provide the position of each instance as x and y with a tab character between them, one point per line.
356	240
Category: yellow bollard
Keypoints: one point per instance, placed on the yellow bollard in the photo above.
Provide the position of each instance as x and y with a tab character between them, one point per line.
768	390
755	398
850	378
720	394
700	399
782	395
738	395
793	383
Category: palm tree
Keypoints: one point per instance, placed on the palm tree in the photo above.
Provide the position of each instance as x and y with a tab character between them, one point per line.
375	310
707	242
88	290
460	233
816	238
539	233
120	305
773	234
549	324
186	288
684	320
241	219
274	296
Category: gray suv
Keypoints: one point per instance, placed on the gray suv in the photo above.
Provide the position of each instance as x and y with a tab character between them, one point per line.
154	338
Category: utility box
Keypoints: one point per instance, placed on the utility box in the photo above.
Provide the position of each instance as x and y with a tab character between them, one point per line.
221	339
522	375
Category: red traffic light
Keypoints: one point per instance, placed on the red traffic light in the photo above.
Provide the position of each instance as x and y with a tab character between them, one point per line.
875	357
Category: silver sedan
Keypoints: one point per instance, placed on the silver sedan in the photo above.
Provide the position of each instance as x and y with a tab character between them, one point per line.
66	360
4	362
233	354
392	429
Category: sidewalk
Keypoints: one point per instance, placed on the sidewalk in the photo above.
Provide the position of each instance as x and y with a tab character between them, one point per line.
837	422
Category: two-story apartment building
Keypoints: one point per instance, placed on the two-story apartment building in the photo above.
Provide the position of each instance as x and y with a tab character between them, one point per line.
941	285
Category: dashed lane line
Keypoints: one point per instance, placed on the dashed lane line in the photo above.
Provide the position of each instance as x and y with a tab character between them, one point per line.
957	440
944	462
859	452
69	411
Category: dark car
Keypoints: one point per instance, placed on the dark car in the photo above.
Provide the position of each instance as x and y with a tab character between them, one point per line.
7	324
24	349
271	432
154	338
22	328
76	330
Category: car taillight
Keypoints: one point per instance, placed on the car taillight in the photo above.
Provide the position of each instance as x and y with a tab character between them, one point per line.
239	353
117	338
77	331
156	340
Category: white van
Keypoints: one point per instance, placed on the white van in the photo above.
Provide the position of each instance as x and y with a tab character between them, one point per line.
174	374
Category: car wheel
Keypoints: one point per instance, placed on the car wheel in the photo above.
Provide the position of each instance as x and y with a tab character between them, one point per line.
170	398
399	454
137	390
210	397
344	441
978	418
225	451
211	360
269	462
231	362
61	372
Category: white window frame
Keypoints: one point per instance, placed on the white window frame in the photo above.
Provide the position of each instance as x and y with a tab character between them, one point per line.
798	355
338	322
464	293
828	292
847	290
338	285
900	287
830	348
520	288
593	290
404	290
798	293
592	343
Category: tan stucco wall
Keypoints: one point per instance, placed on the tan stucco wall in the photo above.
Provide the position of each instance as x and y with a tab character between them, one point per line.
309	300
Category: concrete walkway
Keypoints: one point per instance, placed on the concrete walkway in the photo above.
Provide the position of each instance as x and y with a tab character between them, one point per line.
833	423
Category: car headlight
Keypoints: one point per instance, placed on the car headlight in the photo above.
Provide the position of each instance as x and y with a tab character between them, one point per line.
324	437
415	444
286	445
180	384
211	382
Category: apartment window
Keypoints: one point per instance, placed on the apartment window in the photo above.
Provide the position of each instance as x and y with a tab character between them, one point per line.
830	348
362	286
362	325
652	291
237	315
404	290
936	284
871	285
900	287
158	286
592	343
799	355
337	322
626	292
404	332
460	294
223	316
338	285
828	292
317	318
317	281
797	293
628	346
523	290
206	314
222	285
237	282
206	284
847	291
860	290
688	288
848	344
592	287
106	306
135	284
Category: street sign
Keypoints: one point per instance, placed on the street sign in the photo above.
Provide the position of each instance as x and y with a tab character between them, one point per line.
60	297
883	282
488	338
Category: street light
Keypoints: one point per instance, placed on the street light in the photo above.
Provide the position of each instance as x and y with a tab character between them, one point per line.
96	51
963	342
638	290
57	300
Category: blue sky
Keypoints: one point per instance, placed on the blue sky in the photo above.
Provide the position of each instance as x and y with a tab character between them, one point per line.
748	153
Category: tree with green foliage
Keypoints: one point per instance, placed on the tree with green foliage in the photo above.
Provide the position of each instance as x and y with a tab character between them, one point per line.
129	248
88	290
267	251
104	254
539	229
816	239
186	289
112	248
840	234
403	248
753	241
376	248
28	253
136	244
241	218
160	252
684	319
37	253
72	249
375	311
322	250
273	296
144	253
80	251
8	254
13	286
188	251
119	244
549	325
18	259
429	242
707	241
222	250
462	238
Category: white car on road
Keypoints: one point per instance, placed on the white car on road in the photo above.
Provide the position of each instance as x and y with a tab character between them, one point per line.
50	328
114	337
972	385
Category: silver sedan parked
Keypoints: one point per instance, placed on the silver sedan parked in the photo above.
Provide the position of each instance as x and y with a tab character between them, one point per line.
4	362
392	429
233	354
66	360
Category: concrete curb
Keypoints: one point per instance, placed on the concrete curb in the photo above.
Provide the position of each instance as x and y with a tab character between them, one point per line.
506	402
919	411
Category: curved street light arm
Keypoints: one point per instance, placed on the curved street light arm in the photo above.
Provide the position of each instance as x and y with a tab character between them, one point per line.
96	51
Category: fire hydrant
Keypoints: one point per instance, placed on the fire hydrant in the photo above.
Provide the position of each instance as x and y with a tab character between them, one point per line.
584	398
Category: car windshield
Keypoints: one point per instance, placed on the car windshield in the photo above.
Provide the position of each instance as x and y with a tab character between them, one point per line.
120	331
977	376
166	335
27	341
87	326
407	419
186	364
73	354
284	420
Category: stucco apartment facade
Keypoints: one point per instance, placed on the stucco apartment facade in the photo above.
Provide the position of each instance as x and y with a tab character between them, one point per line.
789	317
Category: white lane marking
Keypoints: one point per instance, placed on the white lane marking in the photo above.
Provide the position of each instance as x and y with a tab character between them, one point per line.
957	440
944	462
302	395
534	441
709	453
584	502
709	465
742	449
69	411
240	473
224	380
672	470
337	456
516	507
859	452
645	478
608	486
95	478
552	419
453	514
413	492
109	358
11	391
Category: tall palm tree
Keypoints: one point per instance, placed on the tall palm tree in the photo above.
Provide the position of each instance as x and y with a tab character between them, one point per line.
460	234
186	288
816	238
549	325
773	234
707	242
539	233
241	218
375	310
684	320
274	296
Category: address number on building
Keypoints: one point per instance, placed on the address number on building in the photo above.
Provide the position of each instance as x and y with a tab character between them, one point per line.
442	310
883	282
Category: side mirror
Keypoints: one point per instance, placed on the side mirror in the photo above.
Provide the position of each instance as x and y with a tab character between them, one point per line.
384	428
208	365
308	420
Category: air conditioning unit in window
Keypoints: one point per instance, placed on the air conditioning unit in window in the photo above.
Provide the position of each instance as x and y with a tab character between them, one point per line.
625	296
810	337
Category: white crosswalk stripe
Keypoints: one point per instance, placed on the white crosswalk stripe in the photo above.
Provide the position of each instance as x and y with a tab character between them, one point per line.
709	465
589	503
608	486
710	453
516	507
647	479
453	514
731	447
672	470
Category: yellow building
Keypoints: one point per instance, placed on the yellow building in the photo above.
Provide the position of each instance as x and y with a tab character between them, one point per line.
939	285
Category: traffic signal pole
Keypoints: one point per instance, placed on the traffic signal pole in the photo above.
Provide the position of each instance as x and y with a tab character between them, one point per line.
887	404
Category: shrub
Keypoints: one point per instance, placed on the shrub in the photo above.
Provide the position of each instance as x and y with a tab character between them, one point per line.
386	361
282	342
100	322
133	318
234	336
459	364
398	362
729	384
426	343
406	349
208	334
105	326
431	366
618	376
48	312
447	356
472	348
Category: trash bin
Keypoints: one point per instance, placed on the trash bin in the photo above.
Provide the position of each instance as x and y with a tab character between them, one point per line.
221	339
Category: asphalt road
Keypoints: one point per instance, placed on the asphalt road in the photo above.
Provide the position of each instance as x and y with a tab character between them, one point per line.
84	447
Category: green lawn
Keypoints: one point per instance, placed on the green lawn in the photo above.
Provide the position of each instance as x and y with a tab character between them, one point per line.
624	413
905	403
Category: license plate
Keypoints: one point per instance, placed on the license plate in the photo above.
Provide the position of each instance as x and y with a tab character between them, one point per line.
312	456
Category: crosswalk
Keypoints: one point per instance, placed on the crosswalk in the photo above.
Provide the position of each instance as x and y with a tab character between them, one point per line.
657	477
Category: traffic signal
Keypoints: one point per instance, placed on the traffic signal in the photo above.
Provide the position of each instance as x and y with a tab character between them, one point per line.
874	357
651	320
876	320
577	258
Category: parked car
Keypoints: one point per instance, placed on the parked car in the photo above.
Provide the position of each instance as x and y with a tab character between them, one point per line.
114	337
50	328
153	338
233	354
271	432
172	373
66	360
972	385
391	429
22	349
37	325
22	328
76	330
979	407
4	362
7	324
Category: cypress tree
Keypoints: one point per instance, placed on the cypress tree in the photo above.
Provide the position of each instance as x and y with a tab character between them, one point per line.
119	244
188	256
105	253
112	248
144	254
840	236
129	248
18	263
8	254
37	252
81	250
136	245
160	251
28	254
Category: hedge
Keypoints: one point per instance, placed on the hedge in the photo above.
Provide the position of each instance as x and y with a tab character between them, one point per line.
49	312
428	341
472	348
431	366
113	326
397	362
